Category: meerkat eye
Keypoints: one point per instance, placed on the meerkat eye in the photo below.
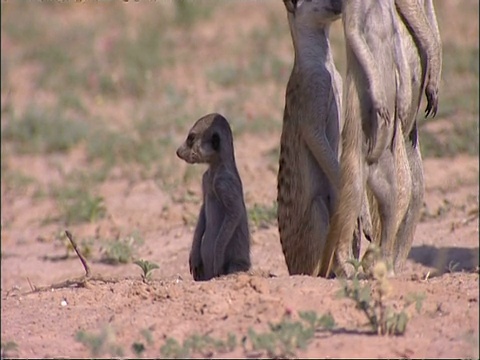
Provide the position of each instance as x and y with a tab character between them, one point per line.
215	141
190	139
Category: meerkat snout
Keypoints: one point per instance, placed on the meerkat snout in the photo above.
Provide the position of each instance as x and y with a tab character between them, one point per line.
186	151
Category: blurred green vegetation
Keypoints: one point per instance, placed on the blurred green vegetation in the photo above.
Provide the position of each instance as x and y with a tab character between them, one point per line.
125	81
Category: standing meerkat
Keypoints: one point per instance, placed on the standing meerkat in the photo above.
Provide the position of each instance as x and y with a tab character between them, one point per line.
422	70
378	93
221	241
308	167
421	44
425	71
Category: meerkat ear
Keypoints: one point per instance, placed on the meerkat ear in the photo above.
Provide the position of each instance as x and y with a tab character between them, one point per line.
290	5
215	141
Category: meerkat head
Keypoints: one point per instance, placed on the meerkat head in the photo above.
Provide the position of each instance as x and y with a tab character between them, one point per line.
209	140
313	12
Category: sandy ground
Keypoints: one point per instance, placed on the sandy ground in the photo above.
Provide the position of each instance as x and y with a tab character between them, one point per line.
443	265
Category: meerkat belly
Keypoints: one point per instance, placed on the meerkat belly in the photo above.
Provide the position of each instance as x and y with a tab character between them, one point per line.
379	41
413	58
315	182
289	175
300	179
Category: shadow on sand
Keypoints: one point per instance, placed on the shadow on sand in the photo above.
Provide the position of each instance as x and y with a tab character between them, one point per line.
446	259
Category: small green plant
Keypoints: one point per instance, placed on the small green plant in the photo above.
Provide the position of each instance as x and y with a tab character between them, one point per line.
121	250
188	12
324	322
138	348
16	180
99	344
117	252
78	205
224	74
204	345
147	268
172	349
282	339
285	337
147	335
45	131
8	349
87	208
372	301
461	138
261	216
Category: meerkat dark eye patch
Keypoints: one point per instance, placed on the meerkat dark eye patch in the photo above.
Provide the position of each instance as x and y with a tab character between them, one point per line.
215	141
190	140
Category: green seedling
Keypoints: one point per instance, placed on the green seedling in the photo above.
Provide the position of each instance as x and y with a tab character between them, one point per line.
262	216
99	344
121	250
8	349
285	337
147	268
204	345
372	299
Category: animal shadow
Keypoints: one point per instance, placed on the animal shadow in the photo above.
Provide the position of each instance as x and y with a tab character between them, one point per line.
446	259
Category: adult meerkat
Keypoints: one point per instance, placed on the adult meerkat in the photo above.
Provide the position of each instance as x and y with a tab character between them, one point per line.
425	70
425	73
378	93
308	167
422	70
221	241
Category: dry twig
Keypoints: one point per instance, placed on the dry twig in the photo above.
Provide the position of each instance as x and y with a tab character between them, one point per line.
80	256
83	281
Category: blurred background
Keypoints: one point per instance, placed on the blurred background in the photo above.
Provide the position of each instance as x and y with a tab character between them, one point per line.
95	91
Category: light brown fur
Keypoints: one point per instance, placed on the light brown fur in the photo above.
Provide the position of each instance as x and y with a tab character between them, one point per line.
376	89
423	27
425	76
408	161
309	170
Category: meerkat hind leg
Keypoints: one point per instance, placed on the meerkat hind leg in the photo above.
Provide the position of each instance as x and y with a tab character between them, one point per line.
349	210
407	227
318	223
363	229
382	182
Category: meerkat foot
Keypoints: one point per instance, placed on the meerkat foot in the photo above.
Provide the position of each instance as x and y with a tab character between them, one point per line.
235	267
342	268
432	101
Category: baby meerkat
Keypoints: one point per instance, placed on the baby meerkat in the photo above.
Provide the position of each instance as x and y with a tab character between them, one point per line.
221	241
